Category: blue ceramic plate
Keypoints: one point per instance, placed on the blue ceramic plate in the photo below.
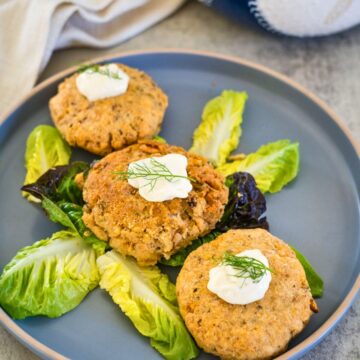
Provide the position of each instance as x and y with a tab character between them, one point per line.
318	213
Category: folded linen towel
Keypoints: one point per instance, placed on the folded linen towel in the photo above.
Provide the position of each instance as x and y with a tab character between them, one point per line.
30	30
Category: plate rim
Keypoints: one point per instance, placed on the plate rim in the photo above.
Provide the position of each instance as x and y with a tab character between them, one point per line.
43	350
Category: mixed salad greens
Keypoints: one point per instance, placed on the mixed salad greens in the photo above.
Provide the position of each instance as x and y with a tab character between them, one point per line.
45	148
52	276
62	200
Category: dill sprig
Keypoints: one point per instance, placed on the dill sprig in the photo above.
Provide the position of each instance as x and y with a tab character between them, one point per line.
98	69
156	171
247	267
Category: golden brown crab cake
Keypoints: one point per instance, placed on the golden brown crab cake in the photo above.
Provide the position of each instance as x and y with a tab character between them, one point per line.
259	330
116	212
113	123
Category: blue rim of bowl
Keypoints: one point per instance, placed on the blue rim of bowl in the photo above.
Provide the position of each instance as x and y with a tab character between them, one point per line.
318	335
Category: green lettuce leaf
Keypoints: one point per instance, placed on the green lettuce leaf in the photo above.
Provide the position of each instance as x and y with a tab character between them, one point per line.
62	199
160	139
219	131
273	165
58	183
45	148
148	298
70	216
67	189
50	277
316	283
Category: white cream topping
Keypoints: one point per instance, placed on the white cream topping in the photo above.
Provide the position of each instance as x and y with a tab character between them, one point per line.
110	81
236	290
157	188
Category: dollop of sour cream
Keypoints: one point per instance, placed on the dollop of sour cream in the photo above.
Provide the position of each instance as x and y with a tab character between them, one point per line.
162	189
236	290
110	81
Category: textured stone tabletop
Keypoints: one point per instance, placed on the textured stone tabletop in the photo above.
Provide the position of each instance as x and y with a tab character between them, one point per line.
329	67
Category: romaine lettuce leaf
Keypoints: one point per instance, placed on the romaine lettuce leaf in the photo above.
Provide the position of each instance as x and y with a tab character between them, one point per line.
148	298
45	148
316	283
50	277
273	165
220	129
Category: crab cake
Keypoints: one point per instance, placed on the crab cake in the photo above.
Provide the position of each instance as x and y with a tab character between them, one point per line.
117	213
259	330
112	123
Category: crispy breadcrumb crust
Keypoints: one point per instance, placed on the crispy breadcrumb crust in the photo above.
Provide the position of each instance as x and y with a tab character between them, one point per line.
260	330
105	125
116	212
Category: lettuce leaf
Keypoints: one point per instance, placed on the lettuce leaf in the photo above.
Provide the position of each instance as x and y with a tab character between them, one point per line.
50	277
246	205
70	216
58	183
45	148
316	283
219	131
160	139
273	165
148	298
62	200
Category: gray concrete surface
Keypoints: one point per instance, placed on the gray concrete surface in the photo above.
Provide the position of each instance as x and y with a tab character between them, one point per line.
330	67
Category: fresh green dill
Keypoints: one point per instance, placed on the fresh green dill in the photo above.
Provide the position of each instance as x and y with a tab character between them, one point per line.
99	69
152	173
247	267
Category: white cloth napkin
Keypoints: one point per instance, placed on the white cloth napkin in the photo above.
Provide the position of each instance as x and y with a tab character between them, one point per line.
306	18
30	30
